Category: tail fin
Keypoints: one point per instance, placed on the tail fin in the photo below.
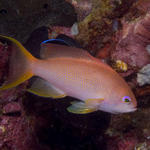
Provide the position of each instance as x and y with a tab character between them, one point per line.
19	64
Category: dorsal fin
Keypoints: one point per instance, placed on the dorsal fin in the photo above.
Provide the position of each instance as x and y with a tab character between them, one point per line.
49	50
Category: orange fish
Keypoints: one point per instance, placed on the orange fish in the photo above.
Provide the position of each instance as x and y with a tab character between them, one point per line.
69	71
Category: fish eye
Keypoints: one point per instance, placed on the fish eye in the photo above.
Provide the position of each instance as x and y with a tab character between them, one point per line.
126	99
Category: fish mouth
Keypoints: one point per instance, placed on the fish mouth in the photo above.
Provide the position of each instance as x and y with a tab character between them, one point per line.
132	110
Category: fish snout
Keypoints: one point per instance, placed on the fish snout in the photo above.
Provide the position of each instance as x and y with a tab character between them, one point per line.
133	109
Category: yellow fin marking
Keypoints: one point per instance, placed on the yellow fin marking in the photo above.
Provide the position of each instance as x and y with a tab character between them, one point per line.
19	45
25	76
20	69
44	95
43	88
80	108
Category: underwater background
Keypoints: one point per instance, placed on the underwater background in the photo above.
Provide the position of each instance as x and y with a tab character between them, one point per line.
116	31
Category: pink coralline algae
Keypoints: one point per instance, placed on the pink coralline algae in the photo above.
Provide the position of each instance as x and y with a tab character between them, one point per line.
15	133
126	142
11	107
4	55
132	43
143	5
56	30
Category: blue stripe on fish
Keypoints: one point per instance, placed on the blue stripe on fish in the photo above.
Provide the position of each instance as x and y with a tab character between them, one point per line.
55	40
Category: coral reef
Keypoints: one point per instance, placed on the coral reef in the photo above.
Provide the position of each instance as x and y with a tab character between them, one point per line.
83	8
116	31
132	43
15	130
143	76
126	142
96	29
56	30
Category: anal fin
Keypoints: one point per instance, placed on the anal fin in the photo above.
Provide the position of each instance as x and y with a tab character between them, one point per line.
42	88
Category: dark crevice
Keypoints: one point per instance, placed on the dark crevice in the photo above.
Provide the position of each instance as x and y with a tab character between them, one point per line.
3	11
45	6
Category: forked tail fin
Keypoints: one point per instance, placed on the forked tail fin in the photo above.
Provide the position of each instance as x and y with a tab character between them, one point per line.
20	63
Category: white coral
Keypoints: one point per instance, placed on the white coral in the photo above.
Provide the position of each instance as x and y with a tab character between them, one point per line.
74	29
143	76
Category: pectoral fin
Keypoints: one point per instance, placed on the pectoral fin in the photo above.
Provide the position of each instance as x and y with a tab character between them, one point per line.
94	102
43	88
80	108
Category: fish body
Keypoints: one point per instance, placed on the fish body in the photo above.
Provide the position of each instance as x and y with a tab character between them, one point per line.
69	71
